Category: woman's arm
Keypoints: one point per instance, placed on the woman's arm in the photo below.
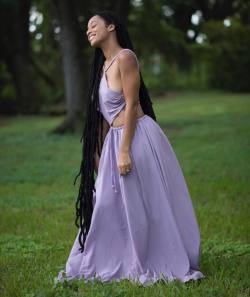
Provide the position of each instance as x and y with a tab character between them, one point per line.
105	130
130	77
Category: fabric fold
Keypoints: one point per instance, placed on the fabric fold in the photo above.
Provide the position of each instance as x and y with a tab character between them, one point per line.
143	226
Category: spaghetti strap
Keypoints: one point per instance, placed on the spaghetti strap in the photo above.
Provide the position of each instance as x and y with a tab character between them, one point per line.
117	55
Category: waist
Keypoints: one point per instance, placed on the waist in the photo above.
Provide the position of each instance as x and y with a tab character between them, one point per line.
119	119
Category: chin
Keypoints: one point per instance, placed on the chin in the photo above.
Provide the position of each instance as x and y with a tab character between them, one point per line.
95	43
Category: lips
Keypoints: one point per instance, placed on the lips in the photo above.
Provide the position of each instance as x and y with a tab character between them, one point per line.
91	37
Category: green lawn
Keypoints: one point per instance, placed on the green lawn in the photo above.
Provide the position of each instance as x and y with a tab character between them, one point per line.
210	135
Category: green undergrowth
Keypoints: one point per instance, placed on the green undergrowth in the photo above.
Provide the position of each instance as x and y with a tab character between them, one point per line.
209	132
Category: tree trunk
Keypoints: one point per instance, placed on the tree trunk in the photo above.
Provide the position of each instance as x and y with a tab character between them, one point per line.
73	66
28	99
15	51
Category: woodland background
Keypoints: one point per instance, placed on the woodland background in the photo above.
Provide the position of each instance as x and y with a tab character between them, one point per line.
195	62
181	44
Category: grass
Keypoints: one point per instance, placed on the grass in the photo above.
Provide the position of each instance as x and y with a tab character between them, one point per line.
210	135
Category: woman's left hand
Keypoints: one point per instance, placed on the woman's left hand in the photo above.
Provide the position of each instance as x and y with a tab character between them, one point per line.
124	163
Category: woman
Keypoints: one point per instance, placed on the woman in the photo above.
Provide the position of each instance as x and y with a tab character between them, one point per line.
136	220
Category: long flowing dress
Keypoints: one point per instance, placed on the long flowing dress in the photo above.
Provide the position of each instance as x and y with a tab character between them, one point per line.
143	226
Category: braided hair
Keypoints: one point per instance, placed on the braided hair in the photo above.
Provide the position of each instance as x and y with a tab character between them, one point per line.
93	128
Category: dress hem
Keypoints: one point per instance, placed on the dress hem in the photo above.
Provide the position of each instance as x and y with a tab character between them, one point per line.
142	279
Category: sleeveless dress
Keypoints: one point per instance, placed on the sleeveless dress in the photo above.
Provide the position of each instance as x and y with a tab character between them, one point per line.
143	226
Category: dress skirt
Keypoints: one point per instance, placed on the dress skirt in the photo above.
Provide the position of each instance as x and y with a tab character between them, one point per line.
143	226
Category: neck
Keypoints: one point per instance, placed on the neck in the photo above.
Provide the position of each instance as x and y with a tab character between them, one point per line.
110	49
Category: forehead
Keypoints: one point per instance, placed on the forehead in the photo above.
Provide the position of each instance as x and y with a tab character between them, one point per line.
94	19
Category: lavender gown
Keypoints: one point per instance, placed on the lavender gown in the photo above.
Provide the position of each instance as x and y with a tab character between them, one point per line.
143	226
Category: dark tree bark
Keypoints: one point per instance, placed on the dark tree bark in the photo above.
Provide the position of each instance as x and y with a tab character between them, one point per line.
16	53
71	42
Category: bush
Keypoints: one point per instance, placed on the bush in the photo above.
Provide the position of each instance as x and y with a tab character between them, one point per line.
229	56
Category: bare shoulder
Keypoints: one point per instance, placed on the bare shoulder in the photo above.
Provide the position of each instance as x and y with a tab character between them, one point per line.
127	59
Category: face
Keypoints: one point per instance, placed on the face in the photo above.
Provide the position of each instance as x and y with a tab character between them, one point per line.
97	30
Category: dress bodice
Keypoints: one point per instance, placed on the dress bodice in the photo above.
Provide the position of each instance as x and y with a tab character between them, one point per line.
111	102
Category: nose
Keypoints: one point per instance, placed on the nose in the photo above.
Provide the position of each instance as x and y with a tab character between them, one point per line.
88	31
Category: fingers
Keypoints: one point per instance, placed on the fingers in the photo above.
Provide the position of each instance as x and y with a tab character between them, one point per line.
124	163
124	170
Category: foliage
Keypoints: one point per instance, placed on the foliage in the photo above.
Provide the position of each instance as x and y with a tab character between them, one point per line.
229	55
159	33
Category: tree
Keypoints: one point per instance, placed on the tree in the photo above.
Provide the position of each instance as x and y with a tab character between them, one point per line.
16	53
73	67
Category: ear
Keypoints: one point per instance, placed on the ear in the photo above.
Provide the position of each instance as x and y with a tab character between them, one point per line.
111	27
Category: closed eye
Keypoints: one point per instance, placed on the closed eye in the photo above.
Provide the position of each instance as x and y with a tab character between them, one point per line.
91	27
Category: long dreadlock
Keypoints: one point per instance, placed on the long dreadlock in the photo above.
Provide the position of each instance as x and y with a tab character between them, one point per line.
94	127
